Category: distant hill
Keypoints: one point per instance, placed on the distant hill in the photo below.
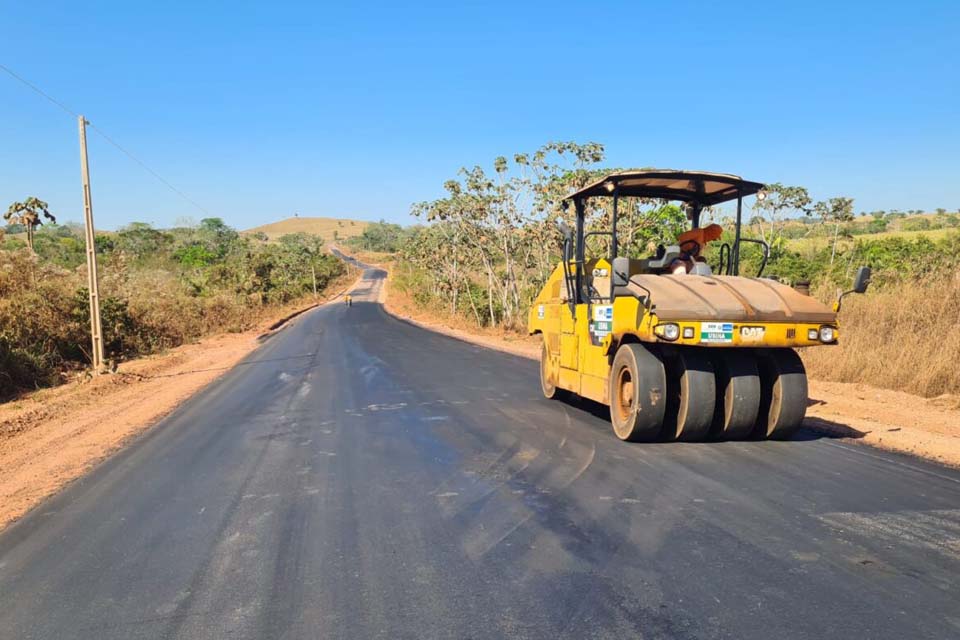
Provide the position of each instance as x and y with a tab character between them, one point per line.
324	227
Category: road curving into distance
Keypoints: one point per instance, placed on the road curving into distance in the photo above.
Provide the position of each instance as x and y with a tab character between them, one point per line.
359	477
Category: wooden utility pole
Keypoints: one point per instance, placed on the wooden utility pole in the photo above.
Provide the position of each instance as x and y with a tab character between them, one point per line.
96	333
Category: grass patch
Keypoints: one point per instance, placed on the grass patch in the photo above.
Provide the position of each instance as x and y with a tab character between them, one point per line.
904	337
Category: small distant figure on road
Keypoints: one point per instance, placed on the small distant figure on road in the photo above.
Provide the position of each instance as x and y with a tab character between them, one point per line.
348	300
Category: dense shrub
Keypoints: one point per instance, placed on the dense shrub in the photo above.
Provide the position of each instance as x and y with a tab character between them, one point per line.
158	289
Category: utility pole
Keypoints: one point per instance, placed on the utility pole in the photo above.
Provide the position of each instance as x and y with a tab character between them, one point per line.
96	332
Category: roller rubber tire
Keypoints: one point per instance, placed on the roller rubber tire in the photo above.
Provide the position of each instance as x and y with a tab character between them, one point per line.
638	393
783	401
692	392
738	395
550	390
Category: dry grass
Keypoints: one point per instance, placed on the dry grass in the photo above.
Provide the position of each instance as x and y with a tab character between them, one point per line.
323	227
402	302
903	337
378	258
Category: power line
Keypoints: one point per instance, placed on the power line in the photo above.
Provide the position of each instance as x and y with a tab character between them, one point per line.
103	135
38	90
148	169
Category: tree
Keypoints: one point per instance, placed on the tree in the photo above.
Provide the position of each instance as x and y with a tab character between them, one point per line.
497	228
780	201
303	249
141	241
28	213
216	236
836	211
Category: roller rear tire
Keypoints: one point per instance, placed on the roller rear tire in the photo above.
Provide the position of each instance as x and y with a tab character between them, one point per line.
692	395
738	395
550	390
783	401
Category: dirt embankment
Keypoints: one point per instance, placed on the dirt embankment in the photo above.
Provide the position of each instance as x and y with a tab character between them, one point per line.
50	437
892	420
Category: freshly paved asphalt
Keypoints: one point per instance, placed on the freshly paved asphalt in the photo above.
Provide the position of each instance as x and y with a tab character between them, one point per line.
358	477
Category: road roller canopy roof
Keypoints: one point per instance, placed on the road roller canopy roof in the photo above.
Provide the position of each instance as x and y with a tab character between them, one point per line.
699	187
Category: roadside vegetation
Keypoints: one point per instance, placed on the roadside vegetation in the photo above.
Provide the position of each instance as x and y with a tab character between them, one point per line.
486	248
158	288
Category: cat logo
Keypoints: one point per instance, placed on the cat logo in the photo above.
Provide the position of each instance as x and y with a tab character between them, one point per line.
752	334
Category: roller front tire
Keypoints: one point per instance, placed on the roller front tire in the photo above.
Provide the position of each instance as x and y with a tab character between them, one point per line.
637	393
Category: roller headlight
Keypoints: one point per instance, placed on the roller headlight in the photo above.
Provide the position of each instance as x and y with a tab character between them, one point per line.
812	334
669	332
828	334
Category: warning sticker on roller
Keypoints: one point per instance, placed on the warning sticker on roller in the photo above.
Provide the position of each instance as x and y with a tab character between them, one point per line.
716	332
603	313
601	323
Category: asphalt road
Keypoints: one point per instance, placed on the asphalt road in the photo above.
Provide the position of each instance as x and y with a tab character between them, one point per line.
358	477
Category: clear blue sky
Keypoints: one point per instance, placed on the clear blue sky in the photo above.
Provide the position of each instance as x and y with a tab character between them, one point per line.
260	111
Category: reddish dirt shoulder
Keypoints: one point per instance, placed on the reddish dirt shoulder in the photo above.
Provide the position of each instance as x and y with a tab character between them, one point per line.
892	420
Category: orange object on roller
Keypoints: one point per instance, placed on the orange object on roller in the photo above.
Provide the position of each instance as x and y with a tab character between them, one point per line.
702	235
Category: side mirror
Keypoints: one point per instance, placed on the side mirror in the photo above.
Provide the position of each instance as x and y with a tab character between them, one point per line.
862	279
621	271
860	283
